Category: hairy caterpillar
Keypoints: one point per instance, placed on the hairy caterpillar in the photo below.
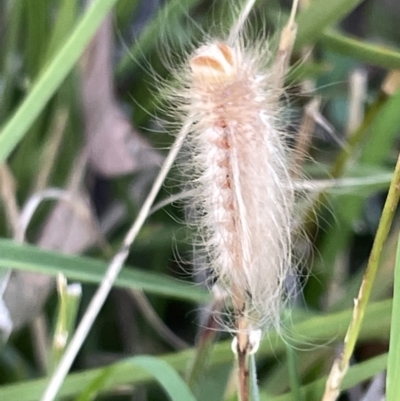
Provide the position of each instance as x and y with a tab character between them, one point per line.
227	97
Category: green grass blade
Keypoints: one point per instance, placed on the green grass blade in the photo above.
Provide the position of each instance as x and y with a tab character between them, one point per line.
383	132
362	51
385	223
316	330
393	368
36	34
69	298
169	379
318	16
64	22
355	375
95	386
167	376
52	77
30	258
10	37
294	378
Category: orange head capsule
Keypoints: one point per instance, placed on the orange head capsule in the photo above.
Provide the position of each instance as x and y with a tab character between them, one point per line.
215	62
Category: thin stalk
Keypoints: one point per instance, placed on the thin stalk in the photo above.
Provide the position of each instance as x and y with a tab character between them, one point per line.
69	297
203	348
243	341
155	321
340	366
295	384
245	345
254	391
243	370
241	20
110	276
8	196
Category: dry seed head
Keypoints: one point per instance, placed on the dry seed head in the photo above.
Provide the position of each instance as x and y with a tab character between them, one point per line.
242	204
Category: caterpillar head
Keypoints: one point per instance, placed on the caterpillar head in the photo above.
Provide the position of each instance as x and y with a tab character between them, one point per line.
213	63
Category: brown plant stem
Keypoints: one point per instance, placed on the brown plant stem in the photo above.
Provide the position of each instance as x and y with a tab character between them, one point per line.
243	347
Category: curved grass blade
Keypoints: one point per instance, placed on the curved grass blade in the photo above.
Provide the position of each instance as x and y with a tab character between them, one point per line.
169	379
31	258
362	51
96	385
166	375
52	77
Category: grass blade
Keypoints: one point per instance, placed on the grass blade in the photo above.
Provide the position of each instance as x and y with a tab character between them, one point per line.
172	383
158	368
356	374
318	16
31	258
326	327
52	77
393	369
341	364
362	51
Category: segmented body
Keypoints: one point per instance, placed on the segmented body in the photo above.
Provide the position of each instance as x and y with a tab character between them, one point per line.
238	168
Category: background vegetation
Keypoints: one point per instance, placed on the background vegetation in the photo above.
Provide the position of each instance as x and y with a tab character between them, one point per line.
85	131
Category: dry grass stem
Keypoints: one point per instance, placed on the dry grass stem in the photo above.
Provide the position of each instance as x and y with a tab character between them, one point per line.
358	95
156	322
304	136
114	268
51	150
8	194
41	344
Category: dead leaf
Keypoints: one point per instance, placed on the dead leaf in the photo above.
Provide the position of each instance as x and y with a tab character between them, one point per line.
114	146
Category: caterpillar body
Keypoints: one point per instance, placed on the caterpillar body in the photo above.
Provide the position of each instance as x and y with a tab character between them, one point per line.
242	191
